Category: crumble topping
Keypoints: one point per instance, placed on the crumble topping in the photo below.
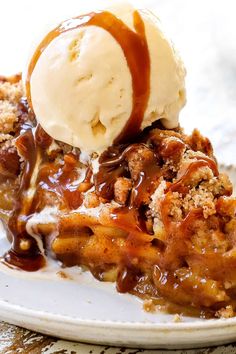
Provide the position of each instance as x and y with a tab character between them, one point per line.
122	188
226	312
11	114
10	95
149	305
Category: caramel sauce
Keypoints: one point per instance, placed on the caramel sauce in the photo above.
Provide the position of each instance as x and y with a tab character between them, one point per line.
191	169
145	186
128	219
113	164
27	260
210	163
127	279
135	48
57	179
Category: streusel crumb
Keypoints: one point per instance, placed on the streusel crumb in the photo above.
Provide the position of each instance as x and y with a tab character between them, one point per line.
149	305
225	312
10	94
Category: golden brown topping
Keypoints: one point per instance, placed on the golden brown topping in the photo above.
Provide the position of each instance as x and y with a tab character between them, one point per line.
172	149
199	143
226	312
149	305
122	188
91	200
138	159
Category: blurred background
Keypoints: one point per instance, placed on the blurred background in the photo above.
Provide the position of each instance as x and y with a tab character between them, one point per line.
204	31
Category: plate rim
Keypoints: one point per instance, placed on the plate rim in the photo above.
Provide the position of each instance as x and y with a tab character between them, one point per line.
194	325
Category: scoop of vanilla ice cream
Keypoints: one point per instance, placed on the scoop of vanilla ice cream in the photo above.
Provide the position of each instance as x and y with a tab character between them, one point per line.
81	86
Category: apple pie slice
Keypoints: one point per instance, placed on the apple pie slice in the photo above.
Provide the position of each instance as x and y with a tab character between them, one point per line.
155	216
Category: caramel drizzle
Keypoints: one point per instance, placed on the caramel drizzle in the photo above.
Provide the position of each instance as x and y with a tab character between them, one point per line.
135	48
27	260
114	165
201	162
38	174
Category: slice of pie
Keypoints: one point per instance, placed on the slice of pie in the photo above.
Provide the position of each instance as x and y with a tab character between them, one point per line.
155	216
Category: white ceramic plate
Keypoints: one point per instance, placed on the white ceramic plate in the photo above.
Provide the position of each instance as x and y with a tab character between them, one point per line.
83	309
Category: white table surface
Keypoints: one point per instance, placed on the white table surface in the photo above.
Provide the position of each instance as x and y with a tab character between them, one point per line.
204	31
